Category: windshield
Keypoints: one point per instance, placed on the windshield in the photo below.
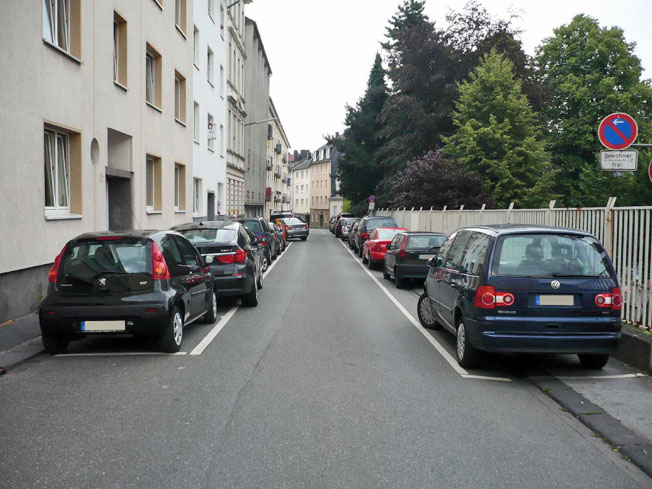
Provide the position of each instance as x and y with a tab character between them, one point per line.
386	234
549	255
425	241
253	226
106	266
377	223
203	236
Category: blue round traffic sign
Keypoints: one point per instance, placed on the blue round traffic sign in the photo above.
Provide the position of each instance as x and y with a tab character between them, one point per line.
617	131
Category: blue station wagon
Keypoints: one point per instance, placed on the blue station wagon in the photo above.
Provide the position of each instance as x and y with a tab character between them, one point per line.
524	289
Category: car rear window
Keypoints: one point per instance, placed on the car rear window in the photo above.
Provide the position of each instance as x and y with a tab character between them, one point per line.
293	221
111	266
425	241
204	236
386	234
550	255
378	223
253	226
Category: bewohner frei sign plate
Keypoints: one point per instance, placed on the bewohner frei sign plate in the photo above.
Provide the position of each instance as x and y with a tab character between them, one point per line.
619	160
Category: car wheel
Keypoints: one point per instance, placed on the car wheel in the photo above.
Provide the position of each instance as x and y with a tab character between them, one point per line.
304	238
172	336
211	315
370	263
251	299
593	361
54	344
259	280
424	311
264	264
275	255
398	281
386	275
467	355
364	258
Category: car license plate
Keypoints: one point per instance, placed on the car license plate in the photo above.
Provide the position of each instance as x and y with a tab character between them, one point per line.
426	257
555	300
103	326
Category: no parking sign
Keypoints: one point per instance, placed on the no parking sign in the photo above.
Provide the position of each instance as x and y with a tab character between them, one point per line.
618	131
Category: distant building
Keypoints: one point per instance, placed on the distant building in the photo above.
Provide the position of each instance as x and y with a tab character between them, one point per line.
323	168
278	177
300	184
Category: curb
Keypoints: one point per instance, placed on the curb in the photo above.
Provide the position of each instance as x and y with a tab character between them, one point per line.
20	354
636	449
635	349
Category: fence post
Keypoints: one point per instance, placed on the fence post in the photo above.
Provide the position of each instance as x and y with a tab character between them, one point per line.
551	206
430	219
459	217
509	212
484	206
609	224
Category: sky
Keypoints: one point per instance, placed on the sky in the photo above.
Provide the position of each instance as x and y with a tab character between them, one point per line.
321	51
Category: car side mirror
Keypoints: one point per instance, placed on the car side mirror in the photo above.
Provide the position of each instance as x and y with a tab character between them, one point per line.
433	261
389	246
209	259
254	241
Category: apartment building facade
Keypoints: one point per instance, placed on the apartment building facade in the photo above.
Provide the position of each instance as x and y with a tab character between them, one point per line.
320	186
209	109
236	111
300	185
257	80
278	175
99	131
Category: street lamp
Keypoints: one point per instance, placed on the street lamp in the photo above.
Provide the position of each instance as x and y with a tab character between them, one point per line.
261	122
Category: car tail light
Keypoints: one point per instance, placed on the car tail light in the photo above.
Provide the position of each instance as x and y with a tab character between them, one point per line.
54	271
159	267
613	301
307	227
401	252
240	255
263	239
364	235
226	259
486	297
109	238
287	228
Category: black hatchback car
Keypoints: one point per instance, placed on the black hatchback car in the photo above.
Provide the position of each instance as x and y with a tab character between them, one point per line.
367	226
145	283
237	257
408	254
524	289
259	227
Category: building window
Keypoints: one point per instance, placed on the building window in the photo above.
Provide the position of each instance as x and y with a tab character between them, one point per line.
153	179
211	133
153	77
180	15
211	8
57	171
62	25
221	80
196	134
221	140
179	187
179	97
209	66
221	17
119	50
196	195
195	41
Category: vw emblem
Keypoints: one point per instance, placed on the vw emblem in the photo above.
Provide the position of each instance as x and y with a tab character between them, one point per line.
102	282
555	284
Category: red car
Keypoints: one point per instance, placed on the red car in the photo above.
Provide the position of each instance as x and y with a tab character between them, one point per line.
374	249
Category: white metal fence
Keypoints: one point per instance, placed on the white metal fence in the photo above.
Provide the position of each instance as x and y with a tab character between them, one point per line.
626	233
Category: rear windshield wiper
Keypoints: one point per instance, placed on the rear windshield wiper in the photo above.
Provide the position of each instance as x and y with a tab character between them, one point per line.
571	275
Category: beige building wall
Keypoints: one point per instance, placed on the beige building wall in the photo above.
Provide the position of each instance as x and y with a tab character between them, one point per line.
278	147
109	125
320	192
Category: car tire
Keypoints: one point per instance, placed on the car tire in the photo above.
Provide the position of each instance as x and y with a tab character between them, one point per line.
398	280
386	275
364	258
54	344
265	265
172	337
251	299
370	263
467	355
259	281
274	255
425	314
304	238
211	315
593	361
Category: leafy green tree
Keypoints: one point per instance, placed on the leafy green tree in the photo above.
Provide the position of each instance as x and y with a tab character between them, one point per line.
498	137
358	171
589	72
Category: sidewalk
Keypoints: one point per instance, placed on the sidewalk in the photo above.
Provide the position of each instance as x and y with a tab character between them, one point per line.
20	340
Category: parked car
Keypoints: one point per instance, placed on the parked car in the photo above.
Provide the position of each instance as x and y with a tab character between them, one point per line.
145	283
275	215
238	261
346	227
375	247
279	237
296	228
331	224
352	232
337	229
408	254
366	227
524	289
259	227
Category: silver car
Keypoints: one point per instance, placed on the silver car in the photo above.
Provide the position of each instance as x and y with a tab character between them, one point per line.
347	225
295	228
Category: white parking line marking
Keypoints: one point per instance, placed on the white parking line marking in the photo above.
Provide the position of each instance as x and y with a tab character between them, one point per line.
123	354
203	344
591	377
438	346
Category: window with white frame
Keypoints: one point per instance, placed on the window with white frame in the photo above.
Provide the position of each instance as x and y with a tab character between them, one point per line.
195	45
56	23
211	8
209	66
179	97
150	78
57	171
180	15
179	187
221	140
221	80
211	132
196	134
221	17
196	195
149	182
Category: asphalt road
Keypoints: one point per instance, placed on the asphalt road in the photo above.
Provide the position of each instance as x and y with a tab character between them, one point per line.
326	384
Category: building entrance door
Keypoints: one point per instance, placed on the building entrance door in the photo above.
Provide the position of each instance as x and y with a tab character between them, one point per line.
210	202
119	203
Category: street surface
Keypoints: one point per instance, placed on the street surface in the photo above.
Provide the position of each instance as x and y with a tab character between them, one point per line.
326	384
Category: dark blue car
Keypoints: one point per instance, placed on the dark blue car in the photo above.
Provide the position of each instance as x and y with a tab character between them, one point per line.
524	289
